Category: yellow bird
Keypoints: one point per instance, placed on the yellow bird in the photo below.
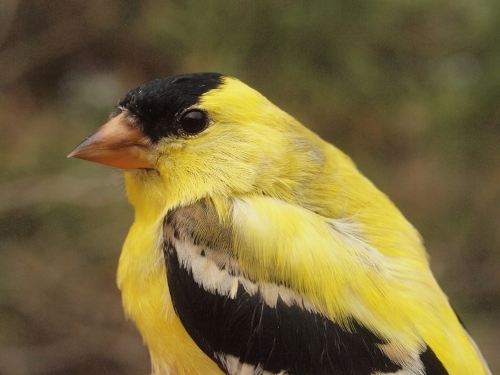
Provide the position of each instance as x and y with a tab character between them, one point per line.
258	248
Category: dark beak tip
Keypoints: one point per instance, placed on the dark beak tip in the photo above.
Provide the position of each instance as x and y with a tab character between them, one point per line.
74	153
77	151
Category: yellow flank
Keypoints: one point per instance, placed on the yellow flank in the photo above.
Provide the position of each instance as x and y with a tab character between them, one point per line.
302	216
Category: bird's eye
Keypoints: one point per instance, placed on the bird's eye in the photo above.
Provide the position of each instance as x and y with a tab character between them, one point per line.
193	121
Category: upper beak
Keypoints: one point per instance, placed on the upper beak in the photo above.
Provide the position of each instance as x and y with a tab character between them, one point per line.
117	144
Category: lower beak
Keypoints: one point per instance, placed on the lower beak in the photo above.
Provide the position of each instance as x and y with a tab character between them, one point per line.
118	144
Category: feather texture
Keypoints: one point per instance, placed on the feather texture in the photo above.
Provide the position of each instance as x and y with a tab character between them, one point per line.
266	326
258	248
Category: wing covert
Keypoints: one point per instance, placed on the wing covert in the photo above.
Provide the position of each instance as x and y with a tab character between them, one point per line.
254	327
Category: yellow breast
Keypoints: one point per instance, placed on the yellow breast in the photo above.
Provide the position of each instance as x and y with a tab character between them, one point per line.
142	280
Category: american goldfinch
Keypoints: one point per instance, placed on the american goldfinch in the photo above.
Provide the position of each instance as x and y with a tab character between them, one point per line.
259	248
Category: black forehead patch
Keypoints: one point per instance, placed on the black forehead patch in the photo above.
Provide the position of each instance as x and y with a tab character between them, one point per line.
156	103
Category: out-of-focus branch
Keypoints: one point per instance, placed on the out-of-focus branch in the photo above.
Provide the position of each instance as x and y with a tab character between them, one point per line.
8	10
63	188
84	319
77	348
57	40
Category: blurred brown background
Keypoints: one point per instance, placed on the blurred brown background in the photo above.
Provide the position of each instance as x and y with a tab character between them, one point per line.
411	90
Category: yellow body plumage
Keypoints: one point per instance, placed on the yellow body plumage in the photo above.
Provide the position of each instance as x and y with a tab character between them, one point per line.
297	214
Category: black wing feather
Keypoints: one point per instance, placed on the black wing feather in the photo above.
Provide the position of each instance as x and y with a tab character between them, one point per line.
284	337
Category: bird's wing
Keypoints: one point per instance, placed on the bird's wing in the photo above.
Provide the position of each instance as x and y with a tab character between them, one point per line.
266	292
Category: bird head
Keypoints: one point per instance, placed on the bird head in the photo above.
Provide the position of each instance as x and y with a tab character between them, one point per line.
203	134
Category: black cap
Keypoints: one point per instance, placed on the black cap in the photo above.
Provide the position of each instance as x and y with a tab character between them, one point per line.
155	104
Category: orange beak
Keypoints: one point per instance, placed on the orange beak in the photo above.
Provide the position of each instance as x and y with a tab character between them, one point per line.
117	144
